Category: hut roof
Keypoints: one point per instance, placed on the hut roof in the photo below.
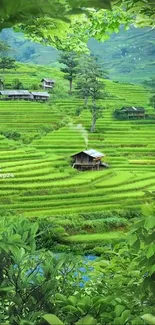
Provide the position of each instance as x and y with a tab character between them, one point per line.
48	80
133	109
92	153
40	94
14	92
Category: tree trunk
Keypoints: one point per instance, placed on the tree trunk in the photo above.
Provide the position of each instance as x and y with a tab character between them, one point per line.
70	86
85	101
92	130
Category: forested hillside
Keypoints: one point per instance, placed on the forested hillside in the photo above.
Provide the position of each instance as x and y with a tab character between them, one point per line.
128	55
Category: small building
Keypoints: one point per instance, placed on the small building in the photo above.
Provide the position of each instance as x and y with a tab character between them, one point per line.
133	112
15	94
40	96
47	83
88	160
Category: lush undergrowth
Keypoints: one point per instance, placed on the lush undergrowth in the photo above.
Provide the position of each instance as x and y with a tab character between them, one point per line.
36	177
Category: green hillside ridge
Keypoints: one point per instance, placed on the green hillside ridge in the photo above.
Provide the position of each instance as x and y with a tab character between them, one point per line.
128	55
43	183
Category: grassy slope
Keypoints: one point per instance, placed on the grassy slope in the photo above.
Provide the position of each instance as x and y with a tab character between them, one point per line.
44	184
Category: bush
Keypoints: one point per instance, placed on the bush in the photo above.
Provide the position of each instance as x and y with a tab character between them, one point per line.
35	86
49	234
14	135
17	84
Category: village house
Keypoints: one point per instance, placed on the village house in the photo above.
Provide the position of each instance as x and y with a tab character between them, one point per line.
15	94
40	96
133	112
47	83
88	159
23	95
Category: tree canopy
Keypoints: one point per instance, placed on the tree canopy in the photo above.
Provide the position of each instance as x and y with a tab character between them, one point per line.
68	24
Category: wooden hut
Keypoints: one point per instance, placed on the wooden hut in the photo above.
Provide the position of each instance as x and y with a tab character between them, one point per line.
15	94
134	112
88	159
40	96
47	83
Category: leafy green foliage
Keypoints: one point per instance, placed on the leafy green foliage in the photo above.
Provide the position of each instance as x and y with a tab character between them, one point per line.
89	85
4	48
52	319
17	84
152	101
7	63
38	287
70	63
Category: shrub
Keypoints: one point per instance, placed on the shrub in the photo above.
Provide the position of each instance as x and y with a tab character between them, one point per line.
49	234
17	84
35	86
14	135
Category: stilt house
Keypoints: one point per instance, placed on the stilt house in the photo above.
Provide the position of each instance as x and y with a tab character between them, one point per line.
47	83
88	159
15	94
24	95
134	112
40	96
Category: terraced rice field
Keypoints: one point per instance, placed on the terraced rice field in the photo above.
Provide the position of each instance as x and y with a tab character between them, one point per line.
43	183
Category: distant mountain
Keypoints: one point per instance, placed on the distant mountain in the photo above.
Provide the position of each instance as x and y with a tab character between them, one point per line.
129	56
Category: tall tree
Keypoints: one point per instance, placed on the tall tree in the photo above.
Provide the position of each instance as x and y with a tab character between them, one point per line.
152	101
89	85
89	69
70	62
96	92
7	63
4	48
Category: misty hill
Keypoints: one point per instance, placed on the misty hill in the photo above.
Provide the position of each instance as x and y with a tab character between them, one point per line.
129	56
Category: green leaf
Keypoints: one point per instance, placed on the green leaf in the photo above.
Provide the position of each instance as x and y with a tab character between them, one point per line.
136	244
72	300
150	319
52	319
60	297
150	251
125	315
152	269
88	320
69	308
132	239
119	309
149	223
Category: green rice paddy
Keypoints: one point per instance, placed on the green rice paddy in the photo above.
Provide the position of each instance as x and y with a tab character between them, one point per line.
45	185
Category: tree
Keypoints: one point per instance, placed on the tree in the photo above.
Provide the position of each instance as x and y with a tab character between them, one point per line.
70	62
17	84
150	83
96	112
26	11
7	63
88	70
1	83
89	85
74	22
4	48
96	93
152	101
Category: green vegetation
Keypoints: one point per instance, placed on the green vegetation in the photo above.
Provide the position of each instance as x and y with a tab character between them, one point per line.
36	143
125	63
70	63
40	287
51	212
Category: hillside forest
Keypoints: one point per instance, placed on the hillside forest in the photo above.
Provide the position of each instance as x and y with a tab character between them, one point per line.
77	162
